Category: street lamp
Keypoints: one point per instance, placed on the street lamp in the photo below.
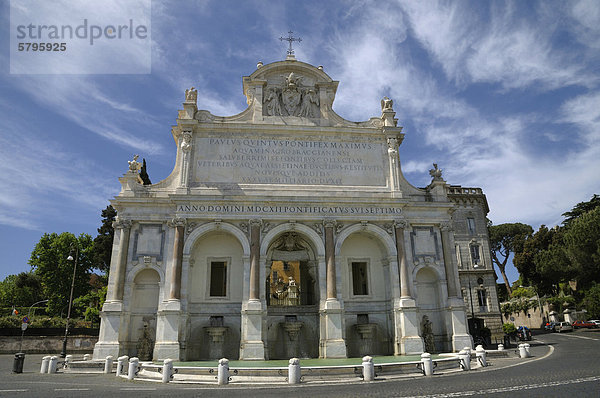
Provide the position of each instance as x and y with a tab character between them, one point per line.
63	353
472	323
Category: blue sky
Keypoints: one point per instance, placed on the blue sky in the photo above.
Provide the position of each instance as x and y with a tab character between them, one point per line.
502	95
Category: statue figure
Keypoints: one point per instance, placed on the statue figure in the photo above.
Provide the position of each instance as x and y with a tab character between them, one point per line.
309	98
436	173
392	145
134	165
292	80
273	106
145	345
427	334
186	141
191	95
386	104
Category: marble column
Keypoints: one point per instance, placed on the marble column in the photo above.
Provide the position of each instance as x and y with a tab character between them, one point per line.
332	313
119	281
406	325
175	287
404	279
252	345
255	259
112	325
330	260
168	318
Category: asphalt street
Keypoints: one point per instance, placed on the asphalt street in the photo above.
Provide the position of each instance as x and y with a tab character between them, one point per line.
562	365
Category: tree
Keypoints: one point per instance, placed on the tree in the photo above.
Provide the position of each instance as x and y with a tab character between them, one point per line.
507	239
20	290
580	209
592	301
582	245
103	242
144	174
49	262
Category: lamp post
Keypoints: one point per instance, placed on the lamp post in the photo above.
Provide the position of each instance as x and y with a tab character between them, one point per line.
472	323
63	353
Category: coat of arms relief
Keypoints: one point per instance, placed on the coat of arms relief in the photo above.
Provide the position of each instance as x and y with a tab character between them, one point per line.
291	99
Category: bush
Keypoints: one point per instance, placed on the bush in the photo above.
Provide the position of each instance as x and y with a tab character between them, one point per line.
509	328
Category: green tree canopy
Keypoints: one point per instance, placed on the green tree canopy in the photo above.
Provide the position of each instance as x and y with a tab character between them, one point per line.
20	290
582	246
49	261
580	209
507	239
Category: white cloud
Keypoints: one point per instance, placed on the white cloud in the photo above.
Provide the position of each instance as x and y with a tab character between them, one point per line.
510	49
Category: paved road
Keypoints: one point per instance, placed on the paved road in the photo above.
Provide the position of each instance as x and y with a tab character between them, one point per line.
562	365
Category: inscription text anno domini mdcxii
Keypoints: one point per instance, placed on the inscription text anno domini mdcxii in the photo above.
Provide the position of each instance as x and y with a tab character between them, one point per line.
289	161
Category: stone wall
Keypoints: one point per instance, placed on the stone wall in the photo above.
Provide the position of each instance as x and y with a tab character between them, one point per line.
47	344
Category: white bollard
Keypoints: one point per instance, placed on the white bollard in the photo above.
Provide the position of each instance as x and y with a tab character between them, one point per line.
87	357
481	356
500	347
368	368
45	364
53	364
427	364
522	351
108	364
121	361
526	345
68	358
468	350
167	370
294	373
465	359
133	368
223	372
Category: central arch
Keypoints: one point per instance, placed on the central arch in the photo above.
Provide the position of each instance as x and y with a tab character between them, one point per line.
294	282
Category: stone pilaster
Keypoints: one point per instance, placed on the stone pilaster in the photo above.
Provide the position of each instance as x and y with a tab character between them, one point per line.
394	163
449	266
252	345
332	338
186	144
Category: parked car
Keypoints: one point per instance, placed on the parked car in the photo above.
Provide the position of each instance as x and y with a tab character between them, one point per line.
550	326
563	327
596	321
523	333
584	324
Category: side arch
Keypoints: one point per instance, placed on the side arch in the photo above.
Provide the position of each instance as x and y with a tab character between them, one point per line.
378	232
214	226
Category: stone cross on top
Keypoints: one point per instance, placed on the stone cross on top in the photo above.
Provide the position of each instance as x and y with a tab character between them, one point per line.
290	39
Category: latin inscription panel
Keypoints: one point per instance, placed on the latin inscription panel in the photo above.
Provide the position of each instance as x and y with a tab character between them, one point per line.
289	161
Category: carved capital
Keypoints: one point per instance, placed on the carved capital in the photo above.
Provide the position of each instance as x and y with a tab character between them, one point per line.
121	223
255	221
446	226
401	223
177	222
329	223
392	144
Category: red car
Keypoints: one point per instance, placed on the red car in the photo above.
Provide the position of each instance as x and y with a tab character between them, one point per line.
584	324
